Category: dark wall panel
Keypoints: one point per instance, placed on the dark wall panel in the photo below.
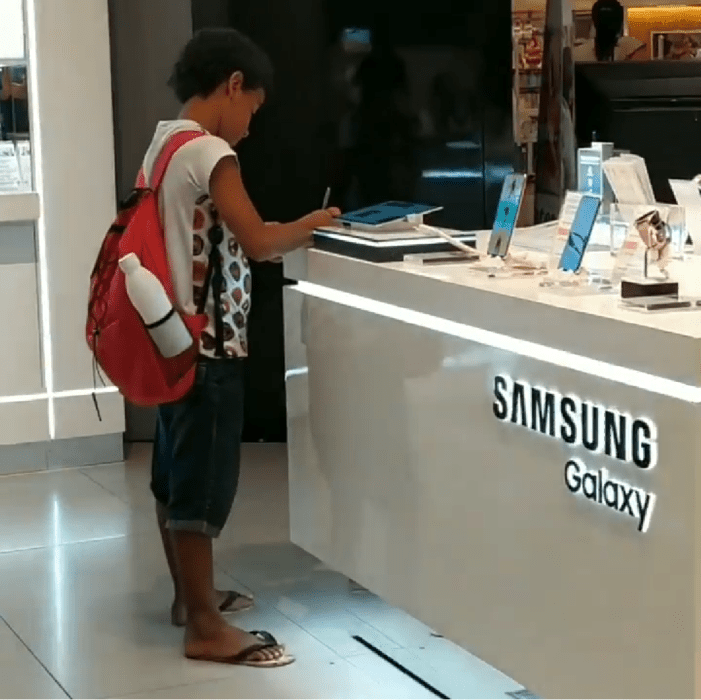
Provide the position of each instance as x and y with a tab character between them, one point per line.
414	105
144	49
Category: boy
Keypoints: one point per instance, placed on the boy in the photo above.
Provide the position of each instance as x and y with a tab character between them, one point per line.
221	79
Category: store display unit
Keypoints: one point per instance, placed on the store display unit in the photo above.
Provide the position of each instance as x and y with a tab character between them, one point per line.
511	463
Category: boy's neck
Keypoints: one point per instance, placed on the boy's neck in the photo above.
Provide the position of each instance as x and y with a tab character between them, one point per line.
203	112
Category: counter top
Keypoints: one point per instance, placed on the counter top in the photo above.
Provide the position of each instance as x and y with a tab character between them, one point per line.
658	348
19	206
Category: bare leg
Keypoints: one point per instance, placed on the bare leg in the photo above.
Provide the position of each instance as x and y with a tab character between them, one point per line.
162	516
178	611
207	634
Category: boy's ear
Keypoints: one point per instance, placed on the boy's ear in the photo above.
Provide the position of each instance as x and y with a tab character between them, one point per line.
235	83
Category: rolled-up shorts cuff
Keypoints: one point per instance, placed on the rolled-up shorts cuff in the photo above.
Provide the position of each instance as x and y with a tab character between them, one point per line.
199	527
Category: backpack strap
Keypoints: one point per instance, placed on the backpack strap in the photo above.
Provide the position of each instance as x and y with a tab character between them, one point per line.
215	281
173	145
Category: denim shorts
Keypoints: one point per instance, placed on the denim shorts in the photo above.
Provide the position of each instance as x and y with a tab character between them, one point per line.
197	450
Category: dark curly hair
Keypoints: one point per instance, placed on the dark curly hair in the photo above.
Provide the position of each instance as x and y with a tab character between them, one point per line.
212	56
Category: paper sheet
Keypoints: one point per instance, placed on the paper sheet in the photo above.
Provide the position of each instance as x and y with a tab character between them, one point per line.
629	179
686	192
10	179
24	156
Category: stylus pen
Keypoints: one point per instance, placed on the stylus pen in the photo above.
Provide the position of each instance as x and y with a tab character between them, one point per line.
327	197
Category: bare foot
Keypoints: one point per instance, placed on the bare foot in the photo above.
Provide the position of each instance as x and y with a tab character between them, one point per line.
178	612
209	638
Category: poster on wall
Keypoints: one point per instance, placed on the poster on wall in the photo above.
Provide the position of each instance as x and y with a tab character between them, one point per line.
555	160
676	45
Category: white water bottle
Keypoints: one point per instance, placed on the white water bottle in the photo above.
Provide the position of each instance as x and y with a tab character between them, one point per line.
163	322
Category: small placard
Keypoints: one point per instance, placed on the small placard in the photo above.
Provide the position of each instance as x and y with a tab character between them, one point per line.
686	192
10	179
24	156
591	172
564	226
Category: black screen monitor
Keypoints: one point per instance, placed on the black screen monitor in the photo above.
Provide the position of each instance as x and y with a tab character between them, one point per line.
651	108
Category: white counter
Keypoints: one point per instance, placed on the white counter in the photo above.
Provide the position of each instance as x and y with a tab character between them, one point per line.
404	476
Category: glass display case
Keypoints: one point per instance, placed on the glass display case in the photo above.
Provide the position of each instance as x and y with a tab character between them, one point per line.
15	139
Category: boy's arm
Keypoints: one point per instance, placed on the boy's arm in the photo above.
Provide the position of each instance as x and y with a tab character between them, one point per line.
278	258
260	241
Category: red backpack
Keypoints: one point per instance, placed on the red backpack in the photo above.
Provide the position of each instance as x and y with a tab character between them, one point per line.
116	334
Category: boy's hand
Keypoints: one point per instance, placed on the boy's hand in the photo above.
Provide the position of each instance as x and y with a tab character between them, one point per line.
320	218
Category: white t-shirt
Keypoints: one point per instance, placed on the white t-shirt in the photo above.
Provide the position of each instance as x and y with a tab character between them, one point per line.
186	212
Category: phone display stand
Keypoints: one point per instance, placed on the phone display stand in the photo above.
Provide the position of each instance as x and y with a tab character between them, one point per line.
630	259
644	286
674	216
498	258
585	281
513	265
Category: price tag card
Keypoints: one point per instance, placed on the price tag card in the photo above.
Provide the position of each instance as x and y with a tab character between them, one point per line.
24	156
9	168
564	226
630	258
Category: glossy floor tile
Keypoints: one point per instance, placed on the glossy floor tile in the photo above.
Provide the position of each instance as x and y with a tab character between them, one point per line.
21	675
61	507
85	596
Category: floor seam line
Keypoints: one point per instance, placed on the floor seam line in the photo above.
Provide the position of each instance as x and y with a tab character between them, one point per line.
36	658
56	470
104	488
40	547
308	632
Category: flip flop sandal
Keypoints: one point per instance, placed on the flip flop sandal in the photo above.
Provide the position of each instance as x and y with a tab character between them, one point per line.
226	608
243	658
231	598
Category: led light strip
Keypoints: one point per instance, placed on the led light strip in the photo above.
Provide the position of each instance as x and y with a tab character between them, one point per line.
298	372
42	249
36	136
525	348
72	394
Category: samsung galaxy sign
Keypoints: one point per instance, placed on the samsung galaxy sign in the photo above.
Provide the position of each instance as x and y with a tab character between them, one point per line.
595	428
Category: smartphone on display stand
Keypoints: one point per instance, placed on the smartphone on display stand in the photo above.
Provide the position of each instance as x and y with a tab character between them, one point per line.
580	234
507	215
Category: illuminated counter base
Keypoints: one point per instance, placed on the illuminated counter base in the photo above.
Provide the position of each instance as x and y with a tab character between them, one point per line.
444	454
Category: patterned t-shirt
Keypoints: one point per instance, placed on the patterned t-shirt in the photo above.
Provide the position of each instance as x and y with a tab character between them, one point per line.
188	214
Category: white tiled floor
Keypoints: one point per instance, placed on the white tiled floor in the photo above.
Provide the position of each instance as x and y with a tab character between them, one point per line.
84	598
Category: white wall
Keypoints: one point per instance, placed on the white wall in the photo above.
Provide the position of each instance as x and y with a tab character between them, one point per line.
11	34
73	140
